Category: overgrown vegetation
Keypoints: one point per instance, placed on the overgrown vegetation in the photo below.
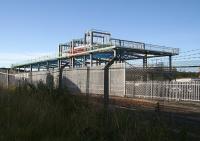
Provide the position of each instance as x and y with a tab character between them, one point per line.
29	113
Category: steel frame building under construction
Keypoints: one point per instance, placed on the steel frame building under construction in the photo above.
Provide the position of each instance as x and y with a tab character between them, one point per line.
85	66
96	48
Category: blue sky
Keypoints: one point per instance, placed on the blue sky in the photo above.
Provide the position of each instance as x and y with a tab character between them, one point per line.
31	28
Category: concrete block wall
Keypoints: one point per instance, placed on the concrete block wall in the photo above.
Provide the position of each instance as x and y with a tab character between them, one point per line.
91	80
79	80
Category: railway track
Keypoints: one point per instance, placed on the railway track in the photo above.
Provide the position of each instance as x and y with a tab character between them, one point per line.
182	113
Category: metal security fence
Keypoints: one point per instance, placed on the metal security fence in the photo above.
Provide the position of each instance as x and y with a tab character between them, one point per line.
159	83
3	79
167	90
7	79
15	79
124	80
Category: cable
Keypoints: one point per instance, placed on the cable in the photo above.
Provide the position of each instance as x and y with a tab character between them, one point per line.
187	55
189	51
186	58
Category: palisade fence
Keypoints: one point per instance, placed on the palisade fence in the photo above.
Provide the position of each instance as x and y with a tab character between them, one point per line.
166	90
124	80
159	83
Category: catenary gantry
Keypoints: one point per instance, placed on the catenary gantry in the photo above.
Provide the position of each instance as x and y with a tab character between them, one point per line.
96	48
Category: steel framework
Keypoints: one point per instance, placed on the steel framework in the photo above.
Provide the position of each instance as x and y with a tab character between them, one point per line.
96	48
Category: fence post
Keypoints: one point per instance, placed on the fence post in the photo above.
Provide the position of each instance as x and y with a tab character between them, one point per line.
61	68
7	78
125	79
176	91
88	81
151	88
106	82
198	92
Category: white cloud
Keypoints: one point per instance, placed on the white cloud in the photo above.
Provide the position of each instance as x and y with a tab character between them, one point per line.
6	59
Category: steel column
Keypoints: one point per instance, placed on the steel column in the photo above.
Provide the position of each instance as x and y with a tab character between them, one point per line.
170	63
47	65
38	67
106	81
145	61
91	59
72	62
31	68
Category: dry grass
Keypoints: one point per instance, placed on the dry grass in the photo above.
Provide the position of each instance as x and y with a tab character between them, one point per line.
30	113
